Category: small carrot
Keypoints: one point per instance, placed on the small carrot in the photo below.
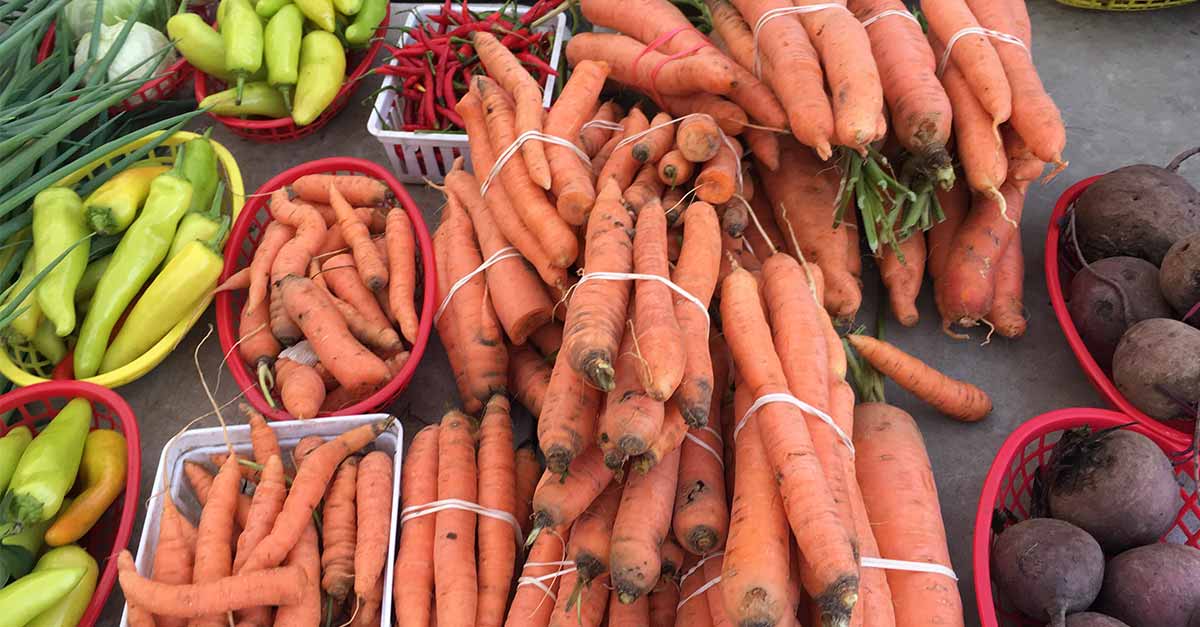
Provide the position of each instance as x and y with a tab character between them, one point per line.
570	178
306	555
643	522
366	256
593	138
588	548
500	63
631	417
530	606
373	505
644	189
902	270
274	237
215	532
528	472
300	388
622	166
201	481
651	148
674	169
402	272
528	377
650	71
729	117
973	55
698	138
657	338
719	177
497	491
560	499
957	399
371	607
454	573
338	526
275	586
304	448
418	485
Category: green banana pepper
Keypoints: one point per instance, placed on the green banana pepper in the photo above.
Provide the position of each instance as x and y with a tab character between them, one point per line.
29	596
11	447
91	278
139	253
282	37
48	343
366	22
47	468
257	99
199	44
322	70
26	323
348	7
68	611
114	205
199	167
59	225
320	12
201	227
267	9
242	34
186	280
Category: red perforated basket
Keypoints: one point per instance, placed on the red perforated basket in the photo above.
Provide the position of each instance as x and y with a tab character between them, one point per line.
1061	266
243	241
33	407
1010	480
284	129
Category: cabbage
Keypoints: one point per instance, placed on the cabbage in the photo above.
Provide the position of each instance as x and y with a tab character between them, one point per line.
81	14
142	43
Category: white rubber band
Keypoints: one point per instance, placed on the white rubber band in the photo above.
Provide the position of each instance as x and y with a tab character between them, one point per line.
704	445
607	125
780	12
636	136
977	30
301	352
432	507
633	276
537	581
915	567
891	12
780	397
516	145
691	572
508	252
699	591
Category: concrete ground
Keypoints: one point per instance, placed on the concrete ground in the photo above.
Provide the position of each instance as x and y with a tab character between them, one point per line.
1127	85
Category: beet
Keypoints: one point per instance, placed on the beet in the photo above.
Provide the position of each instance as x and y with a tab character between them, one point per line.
1179	279
1047	568
1092	619
1109	296
1157	367
1153	586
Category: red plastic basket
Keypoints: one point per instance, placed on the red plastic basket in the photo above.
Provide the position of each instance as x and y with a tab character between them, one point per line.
33	407
157	88
1060	269
1010	480
240	248
284	129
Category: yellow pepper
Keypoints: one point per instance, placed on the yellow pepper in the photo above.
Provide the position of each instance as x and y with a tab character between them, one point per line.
102	475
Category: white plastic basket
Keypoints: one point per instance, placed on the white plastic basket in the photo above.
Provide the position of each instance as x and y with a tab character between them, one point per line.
198	444
416	157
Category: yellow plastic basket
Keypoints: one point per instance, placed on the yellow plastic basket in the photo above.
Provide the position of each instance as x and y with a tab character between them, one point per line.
24	366
1124	5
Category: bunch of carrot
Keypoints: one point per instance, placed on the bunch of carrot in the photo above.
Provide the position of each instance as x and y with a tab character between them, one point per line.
330	313
309	547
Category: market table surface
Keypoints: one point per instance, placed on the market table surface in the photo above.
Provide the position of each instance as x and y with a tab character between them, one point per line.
1127	86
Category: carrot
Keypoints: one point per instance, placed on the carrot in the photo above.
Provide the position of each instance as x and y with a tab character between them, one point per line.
548	339
701	518
366	256
593	138
719	177
729	117
567	422
606	151
674	169
716	606
652	147
500	63
968	288
811	509
657	338
643	522
304	448
874	607
903	271
763	232
901	498
631	416
201	481
663	599
1008	308
371	607
531	605
306	555
360	191
535	210
528	377
754	580
282	326
975	136
508	220
589	612
559	499
693	605
596	317
764	145
497	491
264	508
973	55
622	166
1024	167
418	485
355	367
938	240
293	256
174	554
373	505
528	471
215	531
957	399
372	333
276	586
339	525
308	488
669	438
699	138
570	178
448	325
256	343
516	292
239	280
636	614
590	543
300	388
333	243
802	192
454	573
402	272
644	189
273	239
633	65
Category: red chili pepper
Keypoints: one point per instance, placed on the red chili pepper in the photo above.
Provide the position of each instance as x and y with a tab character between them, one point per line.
427	98
447	83
65	370
451	116
537	62
412	81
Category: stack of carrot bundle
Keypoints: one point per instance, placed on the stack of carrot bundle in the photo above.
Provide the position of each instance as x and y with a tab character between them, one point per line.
308	548
333	278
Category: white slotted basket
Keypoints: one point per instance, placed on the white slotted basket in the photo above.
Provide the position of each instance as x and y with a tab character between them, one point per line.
417	157
196	445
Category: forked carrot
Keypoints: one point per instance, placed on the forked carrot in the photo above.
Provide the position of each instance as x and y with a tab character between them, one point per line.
973	55
418	485
454	573
903	271
516	80
957	399
497	491
968	287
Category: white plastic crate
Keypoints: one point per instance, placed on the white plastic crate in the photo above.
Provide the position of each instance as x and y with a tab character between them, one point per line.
198	444
416	157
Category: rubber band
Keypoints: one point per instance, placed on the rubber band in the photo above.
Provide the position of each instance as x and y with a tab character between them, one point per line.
692	571
633	276
704	445
890	12
725	138
781	11
433	507
977	30
607	125
508	252
654	95
914	567
301	352
537	581
655	45
512	149
780	397
699	591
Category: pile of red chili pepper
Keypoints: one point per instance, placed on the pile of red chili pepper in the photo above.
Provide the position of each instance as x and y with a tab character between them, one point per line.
437	60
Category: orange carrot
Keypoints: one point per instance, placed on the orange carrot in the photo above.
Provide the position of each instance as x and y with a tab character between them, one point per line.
643	522
719	177
256	343
276	586
215	532
293	256
622	166
201	481
593	138
651	148
402	272
454	571
606	152
973	55
674	169
366	256
360	191
273	239
500	64
282	326
644	188
589	546
567	422
560	499
530	202
631	418
306	555
701	518
304	448
264	508
530	606
339	524
968	287
716	606
370	608
413	590
570	178
764	145
373	510
657	338
699	139
548	339
696	273
528	377
902	503
375	334
174	554
729	117
903	271
497	491
875	597
1008	308
938	240
589	612
979	147
528	471
633	65
239	280
663	599
957	399
693	606
448	325
300	388
668	439
763	233
636	614
596	317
